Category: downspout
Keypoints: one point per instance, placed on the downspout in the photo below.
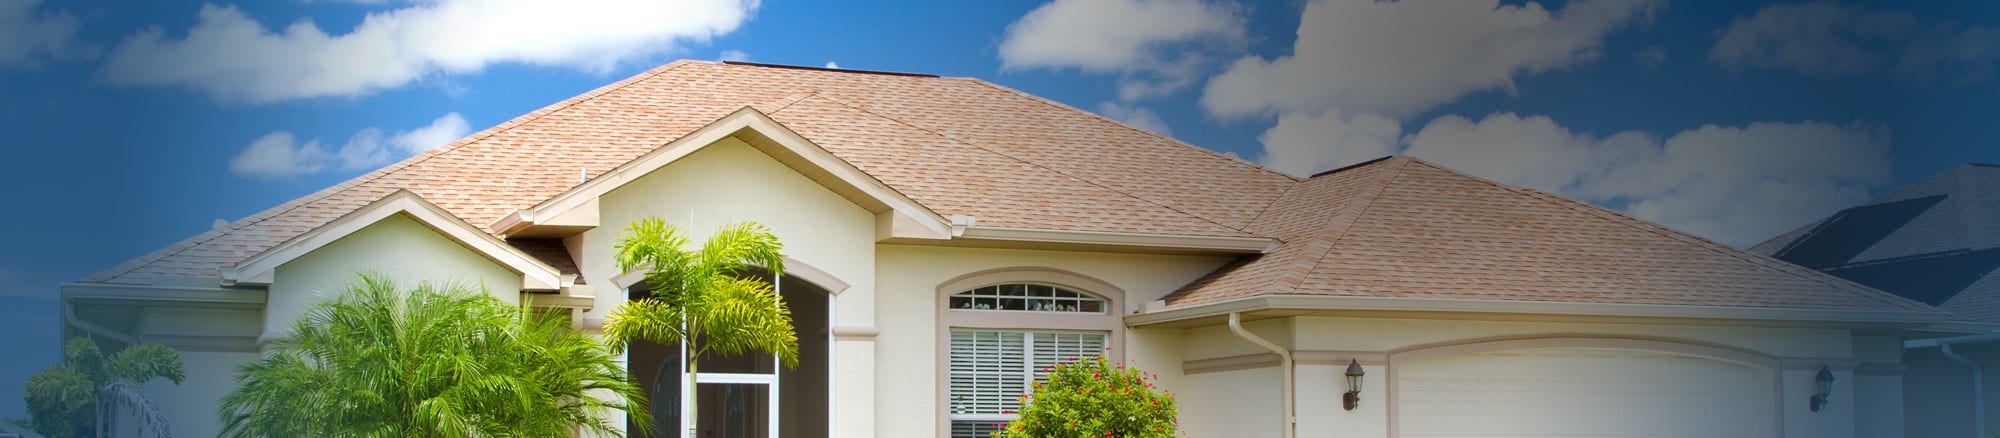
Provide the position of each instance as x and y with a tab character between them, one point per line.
1284	366
69	314
1978	388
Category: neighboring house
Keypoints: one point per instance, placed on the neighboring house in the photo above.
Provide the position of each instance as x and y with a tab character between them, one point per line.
947	237
1936	241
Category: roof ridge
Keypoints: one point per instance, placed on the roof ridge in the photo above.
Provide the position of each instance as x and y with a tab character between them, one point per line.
1331	237
1056	104
1030	163
378	173
1698	241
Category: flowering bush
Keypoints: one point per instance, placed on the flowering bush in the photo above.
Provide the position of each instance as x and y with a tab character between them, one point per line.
1092	398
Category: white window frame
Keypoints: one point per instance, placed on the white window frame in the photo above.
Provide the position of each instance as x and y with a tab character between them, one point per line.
1110	322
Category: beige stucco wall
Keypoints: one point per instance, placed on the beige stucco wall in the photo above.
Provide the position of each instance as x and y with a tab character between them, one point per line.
191	406
909	276
397	247
727	182
1938	392
1212	401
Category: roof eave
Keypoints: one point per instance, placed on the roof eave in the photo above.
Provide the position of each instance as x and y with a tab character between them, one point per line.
1328	305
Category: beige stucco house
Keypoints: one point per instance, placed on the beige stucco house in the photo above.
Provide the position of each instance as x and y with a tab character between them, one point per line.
947	236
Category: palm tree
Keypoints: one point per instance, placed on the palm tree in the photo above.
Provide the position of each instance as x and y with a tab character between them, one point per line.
703	298
73	398
377	360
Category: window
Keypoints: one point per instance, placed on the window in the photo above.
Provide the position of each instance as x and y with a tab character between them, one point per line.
1000	337
1027	297
990	370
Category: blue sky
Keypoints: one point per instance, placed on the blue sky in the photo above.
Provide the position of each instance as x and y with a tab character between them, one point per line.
134	125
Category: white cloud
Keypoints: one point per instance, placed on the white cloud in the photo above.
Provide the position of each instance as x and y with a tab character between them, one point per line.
1302	144
1136	116
1652	57
831	64
733	55
1150	44
1399	58
232	57
280	155
1823	39
1737	185
28	37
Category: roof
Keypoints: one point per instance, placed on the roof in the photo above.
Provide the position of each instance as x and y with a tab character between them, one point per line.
1000	144
1396	227
1936	240
1405	228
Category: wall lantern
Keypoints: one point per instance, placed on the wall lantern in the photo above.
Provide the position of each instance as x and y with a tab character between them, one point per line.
1354	374
1822	387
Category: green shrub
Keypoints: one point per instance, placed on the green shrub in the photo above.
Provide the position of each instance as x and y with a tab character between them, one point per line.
1092	398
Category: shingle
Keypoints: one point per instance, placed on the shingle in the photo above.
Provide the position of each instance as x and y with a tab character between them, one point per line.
1045	166
1436	233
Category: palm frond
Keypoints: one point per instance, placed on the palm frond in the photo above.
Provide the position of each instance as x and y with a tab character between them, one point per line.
436	359
124	393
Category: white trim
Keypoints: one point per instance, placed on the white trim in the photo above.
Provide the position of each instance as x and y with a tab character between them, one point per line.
1241	245
261	268
737	378
1967	339
1338	304
793	268
744	119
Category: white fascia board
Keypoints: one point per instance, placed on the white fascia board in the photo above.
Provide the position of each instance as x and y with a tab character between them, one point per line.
1967	339
74	291
1240	245
745	118
262	268
1380	304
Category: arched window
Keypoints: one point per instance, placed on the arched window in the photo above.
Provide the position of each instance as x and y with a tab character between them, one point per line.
1028	297
1000	330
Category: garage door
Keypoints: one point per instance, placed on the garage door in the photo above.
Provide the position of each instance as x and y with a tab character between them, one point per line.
1582	392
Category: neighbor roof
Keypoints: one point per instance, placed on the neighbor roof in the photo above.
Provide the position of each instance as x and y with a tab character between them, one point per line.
1405	228
1396	227
1937	241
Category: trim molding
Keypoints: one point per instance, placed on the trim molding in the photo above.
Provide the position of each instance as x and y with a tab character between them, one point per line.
1236	245
856	332
1335	305
1299	357
793	268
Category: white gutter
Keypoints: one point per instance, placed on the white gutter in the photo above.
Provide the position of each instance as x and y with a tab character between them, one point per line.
1284	366
69	314
1978	389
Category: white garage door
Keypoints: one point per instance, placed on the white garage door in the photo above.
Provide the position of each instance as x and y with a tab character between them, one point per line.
1582	393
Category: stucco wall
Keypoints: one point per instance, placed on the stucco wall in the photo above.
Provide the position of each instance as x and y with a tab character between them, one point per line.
1938	392
909	276
191	406
1212	399
730	181
397	247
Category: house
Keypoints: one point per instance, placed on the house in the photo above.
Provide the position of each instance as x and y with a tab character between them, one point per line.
947	236
1935	241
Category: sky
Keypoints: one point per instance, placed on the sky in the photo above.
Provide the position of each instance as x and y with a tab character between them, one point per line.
133	125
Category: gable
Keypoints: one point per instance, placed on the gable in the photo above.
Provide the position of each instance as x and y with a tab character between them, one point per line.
403	206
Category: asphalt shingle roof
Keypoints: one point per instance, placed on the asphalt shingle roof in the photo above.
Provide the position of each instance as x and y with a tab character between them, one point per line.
1396	227
1936	240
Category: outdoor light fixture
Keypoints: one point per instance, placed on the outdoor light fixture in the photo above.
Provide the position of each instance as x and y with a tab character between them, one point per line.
1822	387
1354	374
